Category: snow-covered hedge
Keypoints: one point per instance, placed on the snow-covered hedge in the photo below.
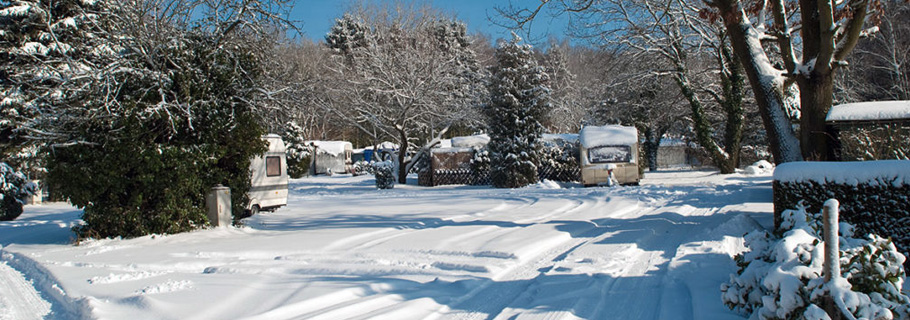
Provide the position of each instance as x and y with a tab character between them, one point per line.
874	195
780	277
14	189
385	174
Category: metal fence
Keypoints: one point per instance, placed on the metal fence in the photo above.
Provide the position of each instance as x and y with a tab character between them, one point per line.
432	178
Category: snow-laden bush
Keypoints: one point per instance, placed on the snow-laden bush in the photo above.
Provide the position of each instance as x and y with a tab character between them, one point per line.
780	277
385	174
360	168
14	189
298	153
480	163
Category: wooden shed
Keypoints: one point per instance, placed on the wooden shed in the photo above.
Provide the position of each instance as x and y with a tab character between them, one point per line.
877	130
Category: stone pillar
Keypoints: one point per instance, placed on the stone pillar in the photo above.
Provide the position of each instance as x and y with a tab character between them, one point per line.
218	206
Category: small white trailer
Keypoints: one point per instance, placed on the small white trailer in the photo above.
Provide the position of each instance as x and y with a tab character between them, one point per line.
609	154
269	180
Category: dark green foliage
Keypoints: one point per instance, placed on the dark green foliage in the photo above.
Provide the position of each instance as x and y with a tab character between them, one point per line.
560	161
385	174
10	208
146	170
519	104
298	167
878	207
14	189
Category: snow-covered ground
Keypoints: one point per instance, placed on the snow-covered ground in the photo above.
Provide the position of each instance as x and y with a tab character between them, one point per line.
344	250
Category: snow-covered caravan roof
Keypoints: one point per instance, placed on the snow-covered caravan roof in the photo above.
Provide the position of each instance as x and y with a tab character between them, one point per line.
595	136
870	111
331	147
479	141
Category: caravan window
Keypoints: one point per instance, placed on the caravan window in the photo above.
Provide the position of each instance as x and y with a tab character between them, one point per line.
272	166
610	154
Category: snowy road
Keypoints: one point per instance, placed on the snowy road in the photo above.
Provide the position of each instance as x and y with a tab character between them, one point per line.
343	250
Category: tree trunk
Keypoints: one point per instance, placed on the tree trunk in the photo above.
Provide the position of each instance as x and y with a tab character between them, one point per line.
766	81
733	83
703	130
402	154
816	100
651	146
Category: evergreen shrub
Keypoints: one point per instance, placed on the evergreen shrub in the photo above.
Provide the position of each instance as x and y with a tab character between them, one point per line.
385	174
780	274
14	189
878	207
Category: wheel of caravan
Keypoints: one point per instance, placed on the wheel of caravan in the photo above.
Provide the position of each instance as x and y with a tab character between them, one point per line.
254	209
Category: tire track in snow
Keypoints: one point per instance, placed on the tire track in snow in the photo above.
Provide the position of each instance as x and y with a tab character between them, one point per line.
636	288
489	300
649	269
18	297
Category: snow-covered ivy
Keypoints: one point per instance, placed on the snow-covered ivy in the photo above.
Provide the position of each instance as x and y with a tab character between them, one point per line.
780	277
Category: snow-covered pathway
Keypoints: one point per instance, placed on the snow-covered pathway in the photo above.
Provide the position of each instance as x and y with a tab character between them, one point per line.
343	250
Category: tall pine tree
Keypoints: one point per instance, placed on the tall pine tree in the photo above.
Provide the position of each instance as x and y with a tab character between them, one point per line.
519	104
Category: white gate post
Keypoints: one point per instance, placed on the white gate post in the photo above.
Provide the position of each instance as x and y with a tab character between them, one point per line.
832	242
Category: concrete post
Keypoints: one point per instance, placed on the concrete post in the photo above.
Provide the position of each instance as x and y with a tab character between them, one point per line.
218	206
831	266
830	217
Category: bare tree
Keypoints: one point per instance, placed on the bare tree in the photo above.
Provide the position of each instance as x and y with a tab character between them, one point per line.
670	30
764	38
414	73
880	69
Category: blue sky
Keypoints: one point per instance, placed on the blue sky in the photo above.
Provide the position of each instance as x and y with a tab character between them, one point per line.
317	16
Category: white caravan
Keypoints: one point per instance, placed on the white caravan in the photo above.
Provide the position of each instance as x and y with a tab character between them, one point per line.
269	181
609	154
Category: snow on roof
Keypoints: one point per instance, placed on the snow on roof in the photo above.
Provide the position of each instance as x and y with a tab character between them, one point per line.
386	145
479	140
672	142
331	147
893	172
593	136
451	150
568	137
870	111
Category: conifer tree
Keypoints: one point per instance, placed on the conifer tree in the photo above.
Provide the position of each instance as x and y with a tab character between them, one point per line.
519	104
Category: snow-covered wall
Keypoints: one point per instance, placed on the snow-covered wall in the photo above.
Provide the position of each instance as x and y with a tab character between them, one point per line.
870	111
887	172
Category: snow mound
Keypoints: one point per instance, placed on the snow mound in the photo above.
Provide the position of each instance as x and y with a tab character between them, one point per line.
894	172
545	184
169	286
760	167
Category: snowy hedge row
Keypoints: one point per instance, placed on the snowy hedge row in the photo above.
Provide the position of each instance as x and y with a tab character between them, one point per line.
780	277
874	195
